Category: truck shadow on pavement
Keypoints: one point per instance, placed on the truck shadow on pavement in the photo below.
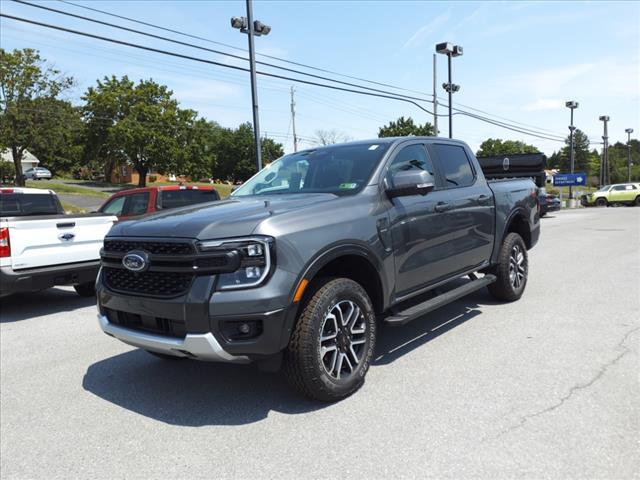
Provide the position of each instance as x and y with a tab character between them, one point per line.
24	306
191	393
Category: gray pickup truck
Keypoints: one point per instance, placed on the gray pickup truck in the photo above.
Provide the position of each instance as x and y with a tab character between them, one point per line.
303	262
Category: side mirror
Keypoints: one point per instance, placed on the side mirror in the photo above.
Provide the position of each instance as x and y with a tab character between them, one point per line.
410	182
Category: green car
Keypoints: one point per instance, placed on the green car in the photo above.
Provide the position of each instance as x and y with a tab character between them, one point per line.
618	194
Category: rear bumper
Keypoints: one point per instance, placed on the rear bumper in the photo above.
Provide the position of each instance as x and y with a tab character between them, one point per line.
203	346
35	279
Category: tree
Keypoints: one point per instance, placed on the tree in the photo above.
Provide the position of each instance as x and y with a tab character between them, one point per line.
329	137
235	151
142	123
404	127
496	146
28	88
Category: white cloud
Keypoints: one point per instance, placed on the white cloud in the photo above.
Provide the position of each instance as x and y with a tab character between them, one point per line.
543	104
418	38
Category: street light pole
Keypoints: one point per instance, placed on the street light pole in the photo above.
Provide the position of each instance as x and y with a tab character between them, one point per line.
450	50
435	98
571	105
251	28
605	153
629	132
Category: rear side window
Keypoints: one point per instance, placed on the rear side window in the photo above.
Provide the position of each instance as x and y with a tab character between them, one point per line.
137	203
182	198
454	165
23	204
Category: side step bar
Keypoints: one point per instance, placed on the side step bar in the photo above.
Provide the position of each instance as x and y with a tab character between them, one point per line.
405	316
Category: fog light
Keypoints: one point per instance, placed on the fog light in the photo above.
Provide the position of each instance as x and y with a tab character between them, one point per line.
244	328
253	272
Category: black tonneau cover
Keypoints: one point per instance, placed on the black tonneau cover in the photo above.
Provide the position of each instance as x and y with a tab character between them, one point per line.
517	165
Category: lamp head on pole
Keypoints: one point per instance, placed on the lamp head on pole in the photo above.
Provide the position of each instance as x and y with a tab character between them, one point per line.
629	130
571	104
604	118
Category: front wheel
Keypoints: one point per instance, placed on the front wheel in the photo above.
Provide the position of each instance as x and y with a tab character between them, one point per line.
85	289
601	202
512	269
331	347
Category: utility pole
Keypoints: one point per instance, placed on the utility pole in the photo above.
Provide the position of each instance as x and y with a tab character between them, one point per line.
293	119
606	174
435	98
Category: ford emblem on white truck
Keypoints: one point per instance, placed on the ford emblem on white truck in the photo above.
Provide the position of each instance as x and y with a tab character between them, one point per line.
136	261
505	164
66	237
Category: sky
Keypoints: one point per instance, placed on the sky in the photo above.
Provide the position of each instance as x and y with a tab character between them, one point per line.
521	62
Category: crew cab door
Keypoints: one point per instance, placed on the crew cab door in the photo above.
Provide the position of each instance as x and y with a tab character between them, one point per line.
420	230
623	193
471	210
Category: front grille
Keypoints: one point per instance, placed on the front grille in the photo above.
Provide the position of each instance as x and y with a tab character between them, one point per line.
157	248
144	323
157	284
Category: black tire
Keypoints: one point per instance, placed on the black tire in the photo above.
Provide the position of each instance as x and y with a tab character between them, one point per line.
322	375
636	202
164	356
86	289
601	202
512	270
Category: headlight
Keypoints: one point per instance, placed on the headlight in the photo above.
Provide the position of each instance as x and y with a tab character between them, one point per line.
256	260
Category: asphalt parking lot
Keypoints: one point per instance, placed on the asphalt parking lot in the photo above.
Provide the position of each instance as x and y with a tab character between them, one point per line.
547	387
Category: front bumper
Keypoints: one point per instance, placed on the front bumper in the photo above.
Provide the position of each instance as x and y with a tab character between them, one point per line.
36	279
198	346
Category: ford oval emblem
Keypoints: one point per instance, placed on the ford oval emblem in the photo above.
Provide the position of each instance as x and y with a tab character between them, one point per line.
136	261
505	164
66	237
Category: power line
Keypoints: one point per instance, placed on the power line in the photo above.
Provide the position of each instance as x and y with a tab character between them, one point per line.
210	62
239	48
218	52
333	87
540	130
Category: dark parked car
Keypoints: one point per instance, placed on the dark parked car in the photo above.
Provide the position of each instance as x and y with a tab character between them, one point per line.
304	259
548	202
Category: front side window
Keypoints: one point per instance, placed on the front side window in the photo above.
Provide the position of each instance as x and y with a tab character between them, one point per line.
114	207
412	157
455	165
339	169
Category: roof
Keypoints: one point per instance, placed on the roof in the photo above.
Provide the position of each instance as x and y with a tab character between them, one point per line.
25	190
128	191
27	156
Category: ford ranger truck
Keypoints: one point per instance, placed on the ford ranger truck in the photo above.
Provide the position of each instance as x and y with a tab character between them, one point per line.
300	266
41	247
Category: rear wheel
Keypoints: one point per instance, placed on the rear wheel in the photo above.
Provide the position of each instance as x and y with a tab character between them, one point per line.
85	289
636	202
601	202
331	347
512	269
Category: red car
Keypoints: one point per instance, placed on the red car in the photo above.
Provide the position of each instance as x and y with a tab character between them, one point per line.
140	201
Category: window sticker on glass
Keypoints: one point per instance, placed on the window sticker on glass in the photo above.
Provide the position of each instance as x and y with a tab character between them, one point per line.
348	186
373	147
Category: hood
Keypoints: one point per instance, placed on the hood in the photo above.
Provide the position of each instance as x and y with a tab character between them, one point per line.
233	217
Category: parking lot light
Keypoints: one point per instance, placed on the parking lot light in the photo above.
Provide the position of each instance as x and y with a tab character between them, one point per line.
450	50
629	164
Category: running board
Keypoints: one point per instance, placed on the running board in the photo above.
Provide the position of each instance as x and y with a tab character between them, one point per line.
405	316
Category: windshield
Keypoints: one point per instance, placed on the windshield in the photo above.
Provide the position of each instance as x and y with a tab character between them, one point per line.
605	188
339	169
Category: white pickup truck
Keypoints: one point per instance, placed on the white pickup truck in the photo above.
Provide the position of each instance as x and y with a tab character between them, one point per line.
41	247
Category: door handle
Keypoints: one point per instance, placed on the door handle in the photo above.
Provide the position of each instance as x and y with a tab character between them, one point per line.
441	207
482	199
